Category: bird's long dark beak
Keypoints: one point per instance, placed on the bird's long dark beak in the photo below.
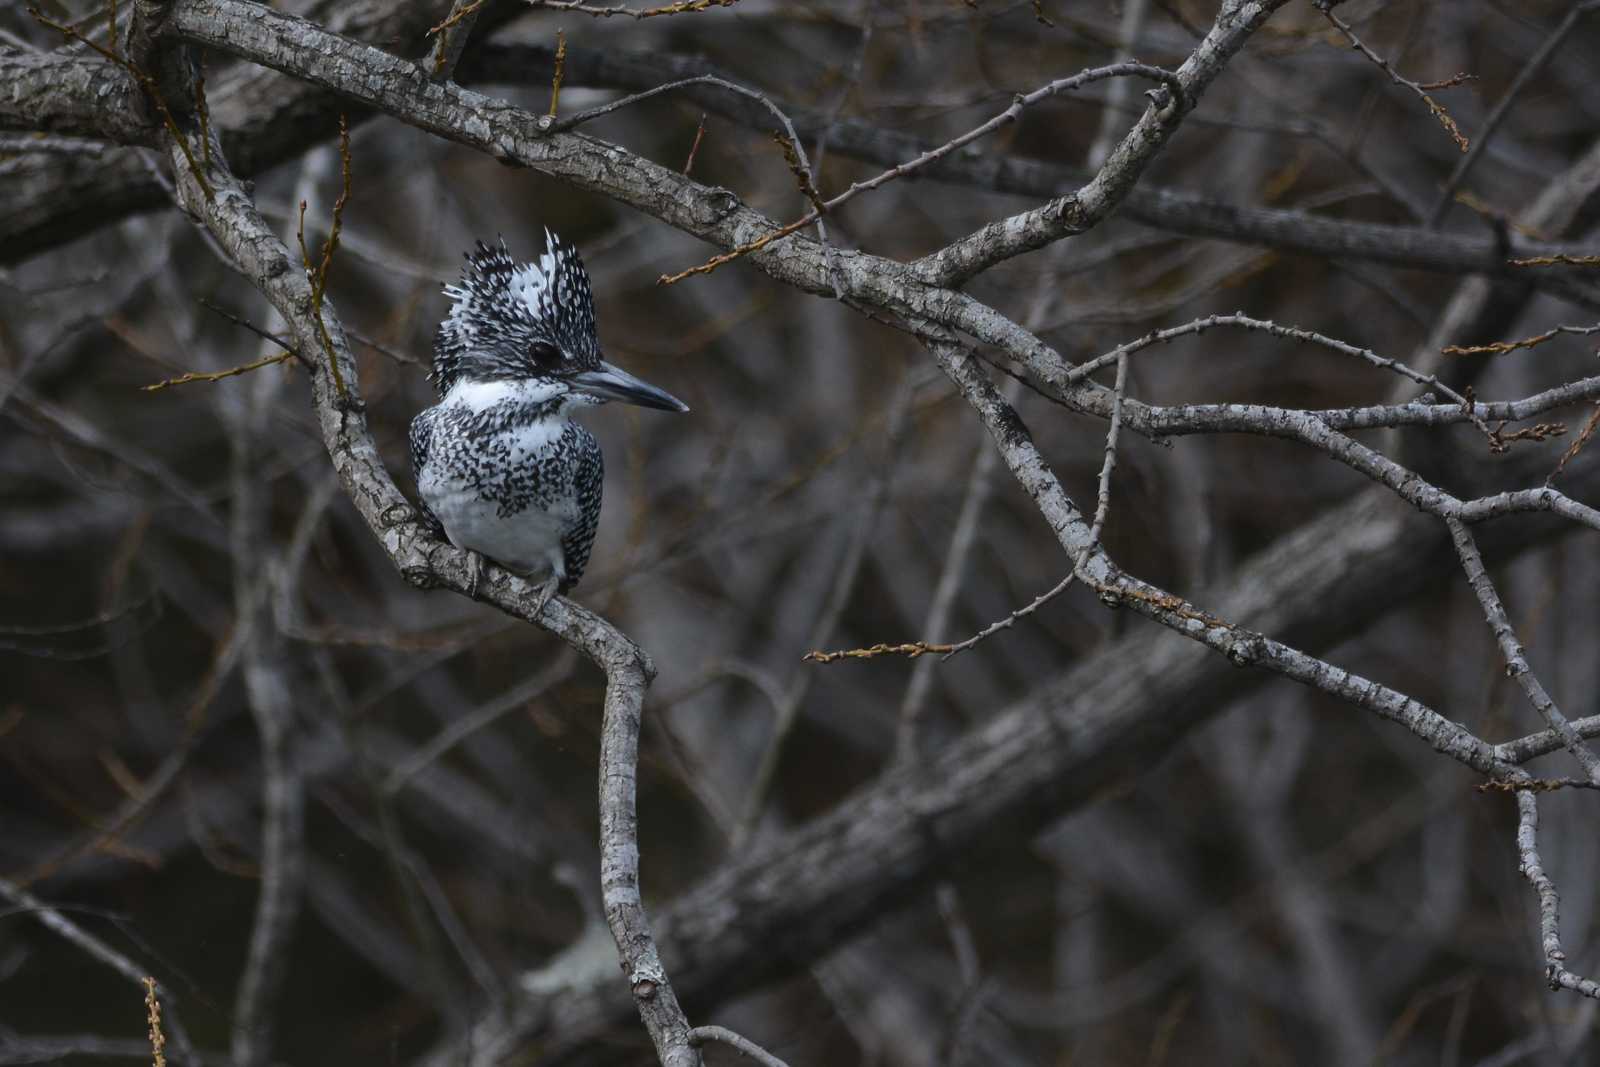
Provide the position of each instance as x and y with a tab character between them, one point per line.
614	383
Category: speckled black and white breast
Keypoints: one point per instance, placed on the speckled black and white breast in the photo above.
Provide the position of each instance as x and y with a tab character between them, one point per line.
506	473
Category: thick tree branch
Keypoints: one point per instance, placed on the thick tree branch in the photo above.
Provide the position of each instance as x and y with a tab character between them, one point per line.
266	118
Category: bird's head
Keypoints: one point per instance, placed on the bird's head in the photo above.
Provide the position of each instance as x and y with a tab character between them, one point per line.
532	323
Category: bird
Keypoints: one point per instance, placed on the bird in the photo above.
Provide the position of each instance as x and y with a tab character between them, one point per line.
503	471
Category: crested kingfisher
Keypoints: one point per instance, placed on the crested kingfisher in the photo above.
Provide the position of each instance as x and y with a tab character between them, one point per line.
501	467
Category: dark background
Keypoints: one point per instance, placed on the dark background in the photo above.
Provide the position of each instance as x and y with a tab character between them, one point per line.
1296	882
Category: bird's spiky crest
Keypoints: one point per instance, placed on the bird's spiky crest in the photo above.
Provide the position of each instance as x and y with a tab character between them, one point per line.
502	309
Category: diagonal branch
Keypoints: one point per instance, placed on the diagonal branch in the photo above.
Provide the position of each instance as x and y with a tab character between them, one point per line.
1511	648
1090	205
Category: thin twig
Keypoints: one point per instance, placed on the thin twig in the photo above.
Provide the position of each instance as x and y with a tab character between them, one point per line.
217	376
1020	103
1577	446
1103	496
980	483
1102	509
802	176
319	273
1532	785
1501	347
684	7
1532	746
146	83
1557	260
560	70
457	13
900	170
701	1034
911	649
742	250
1083	370
462	727
1433	106
270	338
158	1039
1097	526
384	350
1502	108
449	46
549	124
694	149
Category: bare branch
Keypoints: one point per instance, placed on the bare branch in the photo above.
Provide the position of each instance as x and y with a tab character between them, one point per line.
158	1039
1084	209
583	7
1502	107
59	924
1434	107
1516	660
1555	969
1501	347
318	272
745	1047
452	36
217	376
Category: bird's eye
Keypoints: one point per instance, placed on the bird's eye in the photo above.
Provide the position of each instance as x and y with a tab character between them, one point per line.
544	355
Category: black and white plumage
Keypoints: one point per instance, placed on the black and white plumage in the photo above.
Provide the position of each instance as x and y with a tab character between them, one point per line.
501	468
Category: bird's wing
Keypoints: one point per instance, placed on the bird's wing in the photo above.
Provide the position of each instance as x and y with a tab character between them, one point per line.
588	480
421	437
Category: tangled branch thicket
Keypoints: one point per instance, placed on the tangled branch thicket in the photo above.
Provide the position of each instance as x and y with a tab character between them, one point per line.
1279	315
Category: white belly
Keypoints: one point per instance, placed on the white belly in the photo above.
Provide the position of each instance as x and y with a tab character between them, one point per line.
527	541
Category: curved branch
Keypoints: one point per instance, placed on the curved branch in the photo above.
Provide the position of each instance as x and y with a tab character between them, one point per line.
238	227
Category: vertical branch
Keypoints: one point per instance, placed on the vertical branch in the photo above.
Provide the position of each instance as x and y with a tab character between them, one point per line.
152	1004
319	273
266	672
1511	648
1102	506
628	676
560	71
451	35
694	149
1555	959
